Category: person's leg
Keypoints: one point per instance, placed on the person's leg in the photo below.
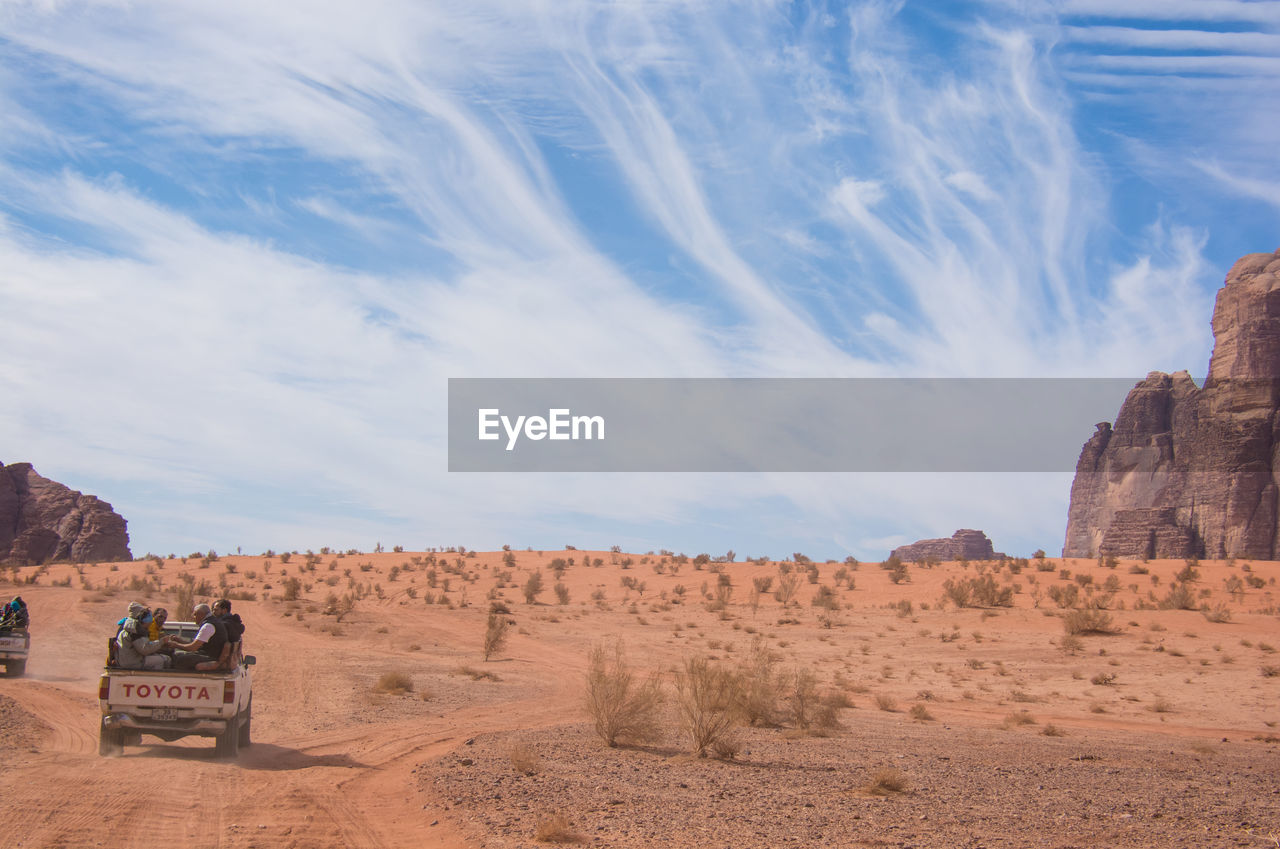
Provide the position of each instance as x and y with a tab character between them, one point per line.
187	659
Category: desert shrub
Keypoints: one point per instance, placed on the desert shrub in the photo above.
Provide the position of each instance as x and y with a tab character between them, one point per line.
1018	718
495	634
887	781
760	685
982	591
394	683
1219	614
1103	679
825	597
802	698
1051	730
621	707
919	711
707	699
1064	595
1089	621
1161	705
532	587
556	828
886	702
524	759
1189	573
898	572
1270	671
1179	597
787	586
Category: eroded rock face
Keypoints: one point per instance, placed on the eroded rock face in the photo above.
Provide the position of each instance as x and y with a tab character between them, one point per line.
964	544
1187	470
42	520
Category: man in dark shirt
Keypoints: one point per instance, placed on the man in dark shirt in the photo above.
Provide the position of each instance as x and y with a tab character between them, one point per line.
207	643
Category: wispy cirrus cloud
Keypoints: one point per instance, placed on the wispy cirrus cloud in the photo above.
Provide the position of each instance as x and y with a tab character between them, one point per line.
278	231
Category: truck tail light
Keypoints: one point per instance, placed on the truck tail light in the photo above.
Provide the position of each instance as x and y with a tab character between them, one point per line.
228	692
104	688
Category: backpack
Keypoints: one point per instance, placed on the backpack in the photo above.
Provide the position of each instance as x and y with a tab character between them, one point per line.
235	628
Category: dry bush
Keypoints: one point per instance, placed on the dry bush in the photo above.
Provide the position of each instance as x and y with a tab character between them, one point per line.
1270	671
1052	730
978	592
1218	615
1018	718
1103	679
1065	595
760	686
621	707
495	634
476	674
394	683
802	698
708	699
532	588
524	759
1089	621
1161	705
556	828
886	702
1179	597
888	781
920	712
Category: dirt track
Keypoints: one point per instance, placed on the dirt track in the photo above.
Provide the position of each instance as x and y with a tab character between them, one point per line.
335	764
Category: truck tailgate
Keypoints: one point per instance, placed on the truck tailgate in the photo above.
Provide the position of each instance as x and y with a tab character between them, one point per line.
159	690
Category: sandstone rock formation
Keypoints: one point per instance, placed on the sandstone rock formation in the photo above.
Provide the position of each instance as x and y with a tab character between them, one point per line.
1187	470
963	544
42	520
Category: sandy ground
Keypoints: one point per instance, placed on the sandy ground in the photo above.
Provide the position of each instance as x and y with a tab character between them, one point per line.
1161	734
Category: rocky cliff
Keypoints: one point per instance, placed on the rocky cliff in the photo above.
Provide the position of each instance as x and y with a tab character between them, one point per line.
1193	471
42	520
963	544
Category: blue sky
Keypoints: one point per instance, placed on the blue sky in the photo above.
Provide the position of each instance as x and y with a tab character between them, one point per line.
244	245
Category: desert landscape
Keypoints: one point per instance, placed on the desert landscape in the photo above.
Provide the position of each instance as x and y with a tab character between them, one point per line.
1021	702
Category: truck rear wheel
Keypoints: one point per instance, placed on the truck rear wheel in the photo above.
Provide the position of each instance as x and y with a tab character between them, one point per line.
245	739
228	742
15	668
110	742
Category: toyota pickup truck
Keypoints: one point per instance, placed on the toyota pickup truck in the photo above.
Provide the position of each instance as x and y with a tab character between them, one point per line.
14	646
174	703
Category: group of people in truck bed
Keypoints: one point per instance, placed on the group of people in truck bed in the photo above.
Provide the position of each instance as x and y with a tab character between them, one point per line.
141	643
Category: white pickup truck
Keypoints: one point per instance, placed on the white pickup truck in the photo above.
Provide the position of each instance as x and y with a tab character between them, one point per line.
174	703
14	646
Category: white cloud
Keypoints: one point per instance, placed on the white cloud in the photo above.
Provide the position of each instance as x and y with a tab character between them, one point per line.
1257	11
1174	39
822	208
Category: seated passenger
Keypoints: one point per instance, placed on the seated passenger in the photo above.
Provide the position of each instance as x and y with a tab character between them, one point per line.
207	644
235	627
15	615
134	649
158	618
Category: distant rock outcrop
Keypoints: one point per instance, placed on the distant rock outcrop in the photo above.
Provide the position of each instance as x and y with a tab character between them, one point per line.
42	520
964	544
1190	471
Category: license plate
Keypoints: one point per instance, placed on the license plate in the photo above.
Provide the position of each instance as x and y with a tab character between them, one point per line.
164	714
